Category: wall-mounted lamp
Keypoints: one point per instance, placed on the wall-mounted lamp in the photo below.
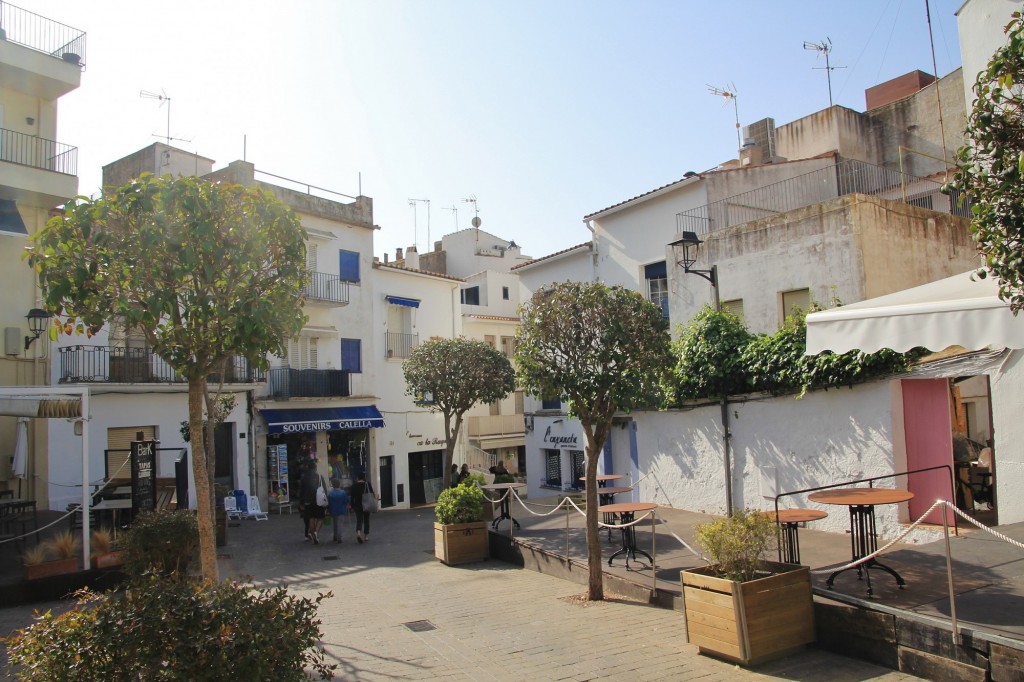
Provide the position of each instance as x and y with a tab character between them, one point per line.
528	422
38	319
29	120
691	247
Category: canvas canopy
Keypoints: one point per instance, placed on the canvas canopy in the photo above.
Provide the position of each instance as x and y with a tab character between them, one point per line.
963	310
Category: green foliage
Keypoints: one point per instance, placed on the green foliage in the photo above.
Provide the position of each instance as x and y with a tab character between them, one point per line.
709	362
175	630
736	545
161	542
504	478
605	349
462	504
990	167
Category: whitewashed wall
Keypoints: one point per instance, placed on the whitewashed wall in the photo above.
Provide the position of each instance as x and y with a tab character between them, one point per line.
1008	434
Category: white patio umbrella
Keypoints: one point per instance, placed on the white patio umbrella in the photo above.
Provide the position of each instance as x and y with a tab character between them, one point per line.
19	465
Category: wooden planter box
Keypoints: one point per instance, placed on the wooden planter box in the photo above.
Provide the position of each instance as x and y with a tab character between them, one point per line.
460	543
108	559
50	568
752	622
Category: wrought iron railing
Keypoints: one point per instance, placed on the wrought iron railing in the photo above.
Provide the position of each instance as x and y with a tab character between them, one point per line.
41	34
400	345
846	177
325	287
286	382
38	152
105	364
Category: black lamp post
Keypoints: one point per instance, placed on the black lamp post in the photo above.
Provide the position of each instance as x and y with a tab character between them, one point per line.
38	319
690	243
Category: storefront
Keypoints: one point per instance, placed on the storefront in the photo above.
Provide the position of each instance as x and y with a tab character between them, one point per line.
297	436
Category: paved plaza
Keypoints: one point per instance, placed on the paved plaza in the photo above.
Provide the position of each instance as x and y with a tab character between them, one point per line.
487	621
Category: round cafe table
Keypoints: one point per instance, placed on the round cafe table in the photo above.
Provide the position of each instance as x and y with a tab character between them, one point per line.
863	537
506	501
607	496
789	521
627	512
603	479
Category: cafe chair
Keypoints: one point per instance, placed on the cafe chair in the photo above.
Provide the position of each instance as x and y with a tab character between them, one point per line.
254	510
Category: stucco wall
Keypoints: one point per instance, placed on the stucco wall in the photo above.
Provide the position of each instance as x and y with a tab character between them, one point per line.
1008	434
980	26
834	129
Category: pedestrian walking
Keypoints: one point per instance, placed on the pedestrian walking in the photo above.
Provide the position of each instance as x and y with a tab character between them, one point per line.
309	484
356	501
337	506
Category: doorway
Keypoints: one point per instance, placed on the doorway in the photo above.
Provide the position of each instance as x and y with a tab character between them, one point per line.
425	476
387	481
224	455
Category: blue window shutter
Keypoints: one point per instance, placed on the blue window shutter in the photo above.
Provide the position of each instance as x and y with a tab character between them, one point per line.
351	355
348	266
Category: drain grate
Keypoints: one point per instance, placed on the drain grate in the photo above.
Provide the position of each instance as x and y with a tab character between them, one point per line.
420	626
331	557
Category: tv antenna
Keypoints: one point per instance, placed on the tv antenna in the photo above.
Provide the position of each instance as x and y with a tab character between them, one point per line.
475	222
455	214
415	210
730	93
824	48
164	98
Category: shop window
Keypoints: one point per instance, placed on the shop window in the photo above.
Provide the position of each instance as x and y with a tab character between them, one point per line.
578	469
553	468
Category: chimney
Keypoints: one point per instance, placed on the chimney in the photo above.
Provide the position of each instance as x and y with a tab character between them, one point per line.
751	154
437	246
412	258
385	258
398	254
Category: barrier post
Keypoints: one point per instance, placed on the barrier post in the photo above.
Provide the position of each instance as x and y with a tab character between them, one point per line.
949	578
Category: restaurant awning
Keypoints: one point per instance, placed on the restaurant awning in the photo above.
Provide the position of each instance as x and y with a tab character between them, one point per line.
963	310
407	302
323	419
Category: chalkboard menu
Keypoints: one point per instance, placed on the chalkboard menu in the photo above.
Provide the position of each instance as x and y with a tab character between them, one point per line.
143	476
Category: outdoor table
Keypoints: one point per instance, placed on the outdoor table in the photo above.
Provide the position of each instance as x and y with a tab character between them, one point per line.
627	511
789	520
506	501
114	506
863	538
606	496
602	479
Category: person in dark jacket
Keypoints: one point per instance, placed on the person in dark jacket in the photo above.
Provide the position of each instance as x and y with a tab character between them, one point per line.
356	500
314	513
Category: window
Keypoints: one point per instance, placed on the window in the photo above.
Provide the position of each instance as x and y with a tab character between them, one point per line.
348	266
504	293
520	409
508	346
471	296
798	298
302	353
553	404
495	408
351	355
489	340
553	468
734	306
578	470
656	276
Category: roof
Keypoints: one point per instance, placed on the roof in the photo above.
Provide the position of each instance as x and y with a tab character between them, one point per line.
586	245
398	268
495	318
686	179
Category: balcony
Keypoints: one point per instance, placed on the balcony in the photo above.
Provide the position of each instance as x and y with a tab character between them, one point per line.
496	431
107	365
286	383
400	345
38	56
846	177
37	171
325	289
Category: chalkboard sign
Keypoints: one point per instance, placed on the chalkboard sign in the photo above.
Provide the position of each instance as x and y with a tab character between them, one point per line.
143	476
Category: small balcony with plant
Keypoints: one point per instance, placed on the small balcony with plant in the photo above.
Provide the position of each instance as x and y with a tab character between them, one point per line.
400	345
39	57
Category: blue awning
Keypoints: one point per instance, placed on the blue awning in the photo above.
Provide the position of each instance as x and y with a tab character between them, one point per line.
398	300
323	419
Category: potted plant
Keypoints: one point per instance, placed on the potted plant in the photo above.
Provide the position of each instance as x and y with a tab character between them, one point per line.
742	607
54	556
103	550
460	533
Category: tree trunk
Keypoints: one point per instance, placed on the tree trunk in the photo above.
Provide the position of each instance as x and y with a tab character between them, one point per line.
209	441
595	583
204	499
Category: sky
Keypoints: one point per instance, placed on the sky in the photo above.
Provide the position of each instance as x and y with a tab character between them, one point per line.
543	111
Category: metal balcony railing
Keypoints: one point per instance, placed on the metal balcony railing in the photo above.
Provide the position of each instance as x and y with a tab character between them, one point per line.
286	382
44	35
400	345
326	288
845	177
104	364
38	152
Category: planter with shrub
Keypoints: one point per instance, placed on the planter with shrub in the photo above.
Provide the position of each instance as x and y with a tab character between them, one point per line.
743	608
55	556
104	551
162	542
460	533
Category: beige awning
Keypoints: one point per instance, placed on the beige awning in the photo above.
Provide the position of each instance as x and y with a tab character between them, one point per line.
41	407
493	443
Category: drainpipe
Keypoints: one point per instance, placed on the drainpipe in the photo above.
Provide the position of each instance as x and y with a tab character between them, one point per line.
589	224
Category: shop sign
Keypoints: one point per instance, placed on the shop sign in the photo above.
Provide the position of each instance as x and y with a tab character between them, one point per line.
567	442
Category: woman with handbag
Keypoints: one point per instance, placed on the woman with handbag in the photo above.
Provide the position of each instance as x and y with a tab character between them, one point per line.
363	502
314	501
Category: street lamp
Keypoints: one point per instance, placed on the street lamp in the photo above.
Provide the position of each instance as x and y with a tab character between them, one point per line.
37	321
691	246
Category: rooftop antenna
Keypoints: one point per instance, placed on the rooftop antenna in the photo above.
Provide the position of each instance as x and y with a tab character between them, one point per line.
413	202
824	48
163	97
455	214
475	222
730	93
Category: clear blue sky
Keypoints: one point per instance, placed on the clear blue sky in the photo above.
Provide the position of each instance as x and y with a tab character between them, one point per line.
544	110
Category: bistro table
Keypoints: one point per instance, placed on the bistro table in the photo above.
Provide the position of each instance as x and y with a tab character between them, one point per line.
790	520
114	505
602	479
606	496
863	537
626	512
506	501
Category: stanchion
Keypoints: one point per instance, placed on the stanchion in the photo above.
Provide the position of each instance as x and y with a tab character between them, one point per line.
567	560
949	576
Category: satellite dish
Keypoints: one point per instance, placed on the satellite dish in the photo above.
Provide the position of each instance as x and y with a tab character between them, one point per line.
476	221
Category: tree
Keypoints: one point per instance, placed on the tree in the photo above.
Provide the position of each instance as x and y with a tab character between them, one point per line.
450	376
605	350
990	167
709	356
207	271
